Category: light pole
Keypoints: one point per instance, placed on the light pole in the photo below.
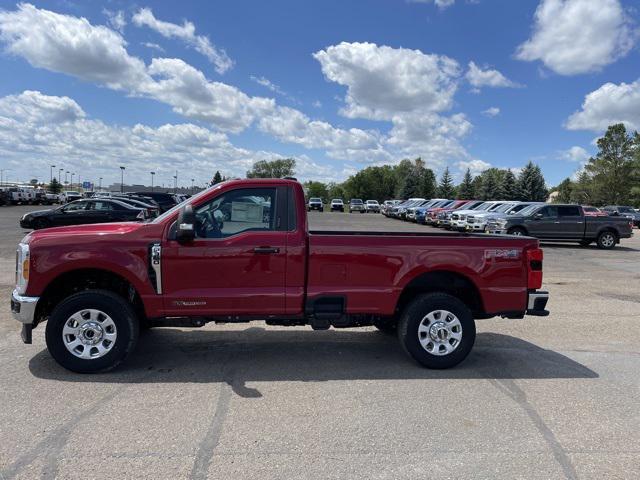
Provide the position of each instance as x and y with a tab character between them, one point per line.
2	170
121	179
192	180
72	174
51	171
175	182
60	174
66	179
152	174
100	184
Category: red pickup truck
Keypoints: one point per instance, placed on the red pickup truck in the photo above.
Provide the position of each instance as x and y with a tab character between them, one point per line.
241	251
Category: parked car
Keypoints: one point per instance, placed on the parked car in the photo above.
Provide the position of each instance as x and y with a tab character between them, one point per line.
372	206
459	220
69	196
165	201
337	205
623	211
401	210
83	211
494	218
410	212
444	216
356	205
49	198
4	197
184	269
424	214
477	222
150	207
420	211
567	223
387	204
315	203
593	211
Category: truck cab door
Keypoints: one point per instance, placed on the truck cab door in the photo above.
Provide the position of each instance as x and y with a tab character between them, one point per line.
236	265
572	222
544	223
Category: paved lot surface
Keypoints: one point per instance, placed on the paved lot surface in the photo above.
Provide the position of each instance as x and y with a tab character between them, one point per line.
539	398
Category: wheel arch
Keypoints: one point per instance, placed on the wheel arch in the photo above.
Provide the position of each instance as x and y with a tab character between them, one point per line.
74	281
444	281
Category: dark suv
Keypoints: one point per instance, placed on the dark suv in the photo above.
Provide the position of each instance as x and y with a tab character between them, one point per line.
623	211
166	201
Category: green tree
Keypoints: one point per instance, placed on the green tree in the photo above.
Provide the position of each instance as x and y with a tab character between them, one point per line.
446	189
510	186
581	191
316	189
217	178
411	187
531	184
54	186
335	190
283	167
465	189
614	169
565	191
429	184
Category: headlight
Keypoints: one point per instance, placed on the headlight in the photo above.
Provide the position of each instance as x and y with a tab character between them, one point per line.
22	268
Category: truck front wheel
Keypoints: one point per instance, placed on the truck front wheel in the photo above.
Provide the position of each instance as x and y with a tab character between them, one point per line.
437	330
92	331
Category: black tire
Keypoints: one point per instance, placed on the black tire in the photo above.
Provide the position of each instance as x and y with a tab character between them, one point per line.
116	307
40	223
584	243
416	312
388	328
607	240
519	231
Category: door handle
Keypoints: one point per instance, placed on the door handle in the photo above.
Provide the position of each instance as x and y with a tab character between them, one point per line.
266	250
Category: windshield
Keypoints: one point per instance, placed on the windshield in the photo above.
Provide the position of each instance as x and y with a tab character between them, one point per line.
315	200
372	202
626	210
504	208
356	201
336	200
192	200
529	210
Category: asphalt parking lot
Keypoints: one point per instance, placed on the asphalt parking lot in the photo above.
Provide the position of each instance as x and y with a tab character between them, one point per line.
539	398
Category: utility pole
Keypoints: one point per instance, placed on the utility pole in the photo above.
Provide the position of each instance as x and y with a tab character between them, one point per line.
192	180
66	179
121	179
72	174
51	171
152	175
175	182
60	174
100	184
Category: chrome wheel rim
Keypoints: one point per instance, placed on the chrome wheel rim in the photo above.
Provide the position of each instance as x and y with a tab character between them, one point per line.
607	240
89	334
440	332
517	233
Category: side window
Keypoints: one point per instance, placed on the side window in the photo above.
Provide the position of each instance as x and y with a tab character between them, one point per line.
100	206
549	212
75	207
569	211
237	211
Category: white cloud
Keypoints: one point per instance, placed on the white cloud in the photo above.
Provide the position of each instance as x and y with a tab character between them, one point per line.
265	82
383	81
187	33
190	94
491	112
438	3
476	166
317	104
71	45
488	77
608	104
37	130
575	154
153	46
115	20
578	36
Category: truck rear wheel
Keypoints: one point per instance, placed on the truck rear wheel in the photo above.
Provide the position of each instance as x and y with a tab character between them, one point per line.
606	240
92	331
437	330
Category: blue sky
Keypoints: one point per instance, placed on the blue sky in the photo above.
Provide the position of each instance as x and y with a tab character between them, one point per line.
204	86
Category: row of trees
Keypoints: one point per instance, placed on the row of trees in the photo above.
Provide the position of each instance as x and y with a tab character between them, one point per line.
413	179
612	176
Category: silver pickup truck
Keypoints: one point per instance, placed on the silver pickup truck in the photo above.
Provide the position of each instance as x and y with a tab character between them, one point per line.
564	223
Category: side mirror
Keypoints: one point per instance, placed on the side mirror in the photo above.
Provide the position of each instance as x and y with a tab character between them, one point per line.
537	216
185	231
615	214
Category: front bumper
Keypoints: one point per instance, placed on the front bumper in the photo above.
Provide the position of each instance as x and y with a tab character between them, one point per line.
537	302
23	310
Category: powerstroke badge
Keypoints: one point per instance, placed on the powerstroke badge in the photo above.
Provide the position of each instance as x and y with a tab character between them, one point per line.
509	254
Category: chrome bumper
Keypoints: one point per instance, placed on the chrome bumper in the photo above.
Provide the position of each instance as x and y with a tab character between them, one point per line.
23	310
537	302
